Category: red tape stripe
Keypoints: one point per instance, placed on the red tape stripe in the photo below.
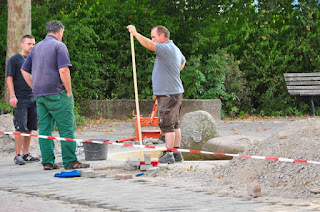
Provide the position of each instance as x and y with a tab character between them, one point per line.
299	161
272	158
195	151
219	153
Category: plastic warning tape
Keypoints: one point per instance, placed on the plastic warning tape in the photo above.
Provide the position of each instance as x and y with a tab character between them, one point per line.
164	148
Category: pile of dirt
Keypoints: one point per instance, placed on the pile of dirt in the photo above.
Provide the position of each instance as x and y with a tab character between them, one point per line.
299	140
280	181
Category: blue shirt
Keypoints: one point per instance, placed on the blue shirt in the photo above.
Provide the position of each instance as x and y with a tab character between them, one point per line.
166	71
44	62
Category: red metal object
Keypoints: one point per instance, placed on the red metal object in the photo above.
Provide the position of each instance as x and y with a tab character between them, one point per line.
151	121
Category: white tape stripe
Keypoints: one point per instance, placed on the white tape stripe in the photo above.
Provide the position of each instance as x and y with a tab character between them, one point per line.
286	160
258	157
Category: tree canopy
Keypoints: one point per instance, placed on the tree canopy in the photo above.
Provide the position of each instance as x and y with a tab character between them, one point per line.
236	50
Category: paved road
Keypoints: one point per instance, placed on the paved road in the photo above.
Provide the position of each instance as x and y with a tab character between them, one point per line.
120	195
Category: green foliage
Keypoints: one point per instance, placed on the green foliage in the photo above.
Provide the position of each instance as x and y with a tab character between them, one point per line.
236	51
5	107
218	78
3	44
80	120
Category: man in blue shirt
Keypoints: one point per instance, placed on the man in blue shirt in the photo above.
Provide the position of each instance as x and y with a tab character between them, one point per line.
49	64
25	116
167	86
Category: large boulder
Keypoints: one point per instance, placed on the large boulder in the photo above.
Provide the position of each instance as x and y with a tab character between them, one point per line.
233	144
196	129
6	141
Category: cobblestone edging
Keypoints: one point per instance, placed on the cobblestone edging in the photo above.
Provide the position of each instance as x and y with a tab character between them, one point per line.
139	195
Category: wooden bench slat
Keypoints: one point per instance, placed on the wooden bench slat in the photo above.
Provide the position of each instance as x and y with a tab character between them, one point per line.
304	93
303	83
302	78
304	87
315	74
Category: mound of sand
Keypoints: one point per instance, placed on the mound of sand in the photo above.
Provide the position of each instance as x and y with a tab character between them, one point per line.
299	140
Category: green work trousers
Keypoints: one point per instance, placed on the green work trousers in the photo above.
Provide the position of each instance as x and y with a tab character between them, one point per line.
56	110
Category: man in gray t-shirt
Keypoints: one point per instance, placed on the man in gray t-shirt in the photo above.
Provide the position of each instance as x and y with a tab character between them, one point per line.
167	86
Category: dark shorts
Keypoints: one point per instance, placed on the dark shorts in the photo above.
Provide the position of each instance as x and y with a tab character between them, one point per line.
25	116
169	111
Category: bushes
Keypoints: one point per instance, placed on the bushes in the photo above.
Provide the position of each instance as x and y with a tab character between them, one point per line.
219	77
236	52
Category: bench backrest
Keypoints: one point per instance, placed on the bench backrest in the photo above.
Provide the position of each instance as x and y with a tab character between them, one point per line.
303	84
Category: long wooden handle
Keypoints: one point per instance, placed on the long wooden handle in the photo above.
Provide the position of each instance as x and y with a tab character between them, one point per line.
135	87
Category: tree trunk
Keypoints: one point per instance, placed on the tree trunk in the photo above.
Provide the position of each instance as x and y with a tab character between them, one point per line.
19	24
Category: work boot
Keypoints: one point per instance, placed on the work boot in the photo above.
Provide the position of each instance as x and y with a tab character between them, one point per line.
29	158
178	156
167	157
19	160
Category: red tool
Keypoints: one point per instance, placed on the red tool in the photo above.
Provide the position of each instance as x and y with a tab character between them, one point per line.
151	121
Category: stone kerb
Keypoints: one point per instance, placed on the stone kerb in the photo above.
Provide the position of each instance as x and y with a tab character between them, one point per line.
122	108
6	141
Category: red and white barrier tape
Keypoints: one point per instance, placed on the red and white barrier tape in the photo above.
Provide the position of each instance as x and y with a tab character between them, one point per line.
164	148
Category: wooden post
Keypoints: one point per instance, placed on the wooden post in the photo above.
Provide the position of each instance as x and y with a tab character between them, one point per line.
19	24
136	92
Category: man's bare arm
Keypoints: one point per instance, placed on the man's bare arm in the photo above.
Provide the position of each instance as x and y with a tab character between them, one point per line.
13	100
182	66
27	77
66	80
145	42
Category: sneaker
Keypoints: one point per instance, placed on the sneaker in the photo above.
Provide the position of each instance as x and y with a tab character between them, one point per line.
19	160
178	156
167	157
29	158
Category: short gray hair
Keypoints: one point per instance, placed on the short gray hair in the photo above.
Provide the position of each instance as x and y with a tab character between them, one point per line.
54	26
162	30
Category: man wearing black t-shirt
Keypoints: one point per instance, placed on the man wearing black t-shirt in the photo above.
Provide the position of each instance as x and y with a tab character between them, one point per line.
21	99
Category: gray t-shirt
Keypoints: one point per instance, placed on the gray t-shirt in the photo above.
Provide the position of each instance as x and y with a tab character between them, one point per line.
44	62
166	71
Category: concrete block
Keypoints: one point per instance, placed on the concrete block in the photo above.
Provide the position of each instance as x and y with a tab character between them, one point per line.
153	172
134	162
129	167
162	166
87	173
254	189
145	167
100	175
147	158
122	108
124	176
108	168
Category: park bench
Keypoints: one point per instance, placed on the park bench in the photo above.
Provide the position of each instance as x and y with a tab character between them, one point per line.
303	84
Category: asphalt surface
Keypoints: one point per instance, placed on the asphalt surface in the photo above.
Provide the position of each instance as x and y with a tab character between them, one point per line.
105	193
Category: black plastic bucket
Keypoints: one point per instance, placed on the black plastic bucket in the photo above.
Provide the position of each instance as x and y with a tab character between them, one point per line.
94	151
